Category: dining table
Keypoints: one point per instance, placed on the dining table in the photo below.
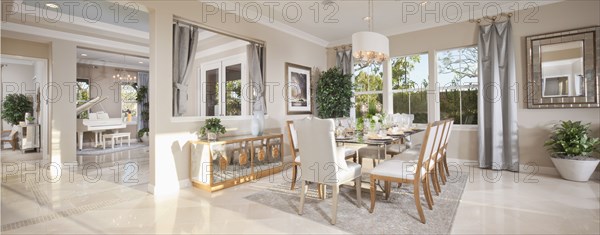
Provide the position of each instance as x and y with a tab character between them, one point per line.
380	142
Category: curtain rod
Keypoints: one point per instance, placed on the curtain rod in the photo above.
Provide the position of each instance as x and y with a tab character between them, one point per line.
215	30
492	18
342	47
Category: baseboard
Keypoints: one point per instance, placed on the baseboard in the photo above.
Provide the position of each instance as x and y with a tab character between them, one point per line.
523	168
185	183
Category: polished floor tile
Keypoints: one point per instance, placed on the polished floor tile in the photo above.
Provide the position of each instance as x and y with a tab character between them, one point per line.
491	203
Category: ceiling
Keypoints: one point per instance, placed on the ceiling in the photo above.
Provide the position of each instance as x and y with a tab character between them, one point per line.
324	22
104	58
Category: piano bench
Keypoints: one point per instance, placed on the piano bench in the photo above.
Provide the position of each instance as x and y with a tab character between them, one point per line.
118	136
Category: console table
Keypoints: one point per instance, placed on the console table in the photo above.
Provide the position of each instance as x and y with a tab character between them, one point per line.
229	161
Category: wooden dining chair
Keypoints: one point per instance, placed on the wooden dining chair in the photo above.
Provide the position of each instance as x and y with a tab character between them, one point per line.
414	172
293	139
10	137
323	162
442	162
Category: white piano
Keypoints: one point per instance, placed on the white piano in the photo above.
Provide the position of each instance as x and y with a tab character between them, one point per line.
96	122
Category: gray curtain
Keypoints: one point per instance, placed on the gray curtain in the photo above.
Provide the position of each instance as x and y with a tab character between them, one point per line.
343	59
498	137
185	40
143	79
255	53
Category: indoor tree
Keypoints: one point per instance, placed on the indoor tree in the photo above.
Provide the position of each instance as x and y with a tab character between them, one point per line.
334	94
14	108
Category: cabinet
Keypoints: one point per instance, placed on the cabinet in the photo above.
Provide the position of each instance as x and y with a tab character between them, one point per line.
230	161
29	135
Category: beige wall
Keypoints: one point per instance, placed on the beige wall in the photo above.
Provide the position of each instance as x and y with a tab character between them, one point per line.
25	48
169	151
534	125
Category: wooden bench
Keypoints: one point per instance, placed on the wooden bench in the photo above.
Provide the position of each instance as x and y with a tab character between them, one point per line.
118	136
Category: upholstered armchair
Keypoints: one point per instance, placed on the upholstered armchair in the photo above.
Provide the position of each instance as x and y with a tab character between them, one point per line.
322	161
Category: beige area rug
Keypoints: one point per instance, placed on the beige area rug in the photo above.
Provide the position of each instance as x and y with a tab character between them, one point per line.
398	215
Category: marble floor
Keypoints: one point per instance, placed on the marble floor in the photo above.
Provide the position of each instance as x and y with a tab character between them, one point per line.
112	198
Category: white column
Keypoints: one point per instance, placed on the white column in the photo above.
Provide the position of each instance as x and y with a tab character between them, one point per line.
388	97
433	102
64	72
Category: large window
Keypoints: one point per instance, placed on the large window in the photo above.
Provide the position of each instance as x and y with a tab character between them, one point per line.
410	76
368	90
128	99
458	81
83	95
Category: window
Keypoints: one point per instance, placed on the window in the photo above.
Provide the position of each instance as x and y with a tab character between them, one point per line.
458	81
128	99
228	76
410	76
368	90
83	95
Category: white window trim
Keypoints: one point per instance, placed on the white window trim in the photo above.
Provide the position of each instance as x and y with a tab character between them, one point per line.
222	63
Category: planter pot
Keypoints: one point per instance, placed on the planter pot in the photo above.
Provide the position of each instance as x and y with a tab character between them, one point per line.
145	138
575	170
210	136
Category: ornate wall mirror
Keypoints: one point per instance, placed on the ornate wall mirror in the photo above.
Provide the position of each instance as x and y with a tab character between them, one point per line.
563	69
215	73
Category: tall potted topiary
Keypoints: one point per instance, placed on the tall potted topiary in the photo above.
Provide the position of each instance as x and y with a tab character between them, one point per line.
334	94
571	150
14	108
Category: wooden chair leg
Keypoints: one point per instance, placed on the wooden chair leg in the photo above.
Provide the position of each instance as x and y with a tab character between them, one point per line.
418	201
357	184
372	194
387	187
336	192
302	195
294	175
441	171
427	193
446	165
436	184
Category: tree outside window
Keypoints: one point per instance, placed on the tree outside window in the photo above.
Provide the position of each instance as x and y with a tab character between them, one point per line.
128	99
410	77
368	91
458	80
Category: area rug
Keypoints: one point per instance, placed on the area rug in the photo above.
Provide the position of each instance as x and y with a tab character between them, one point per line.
108	150
398	215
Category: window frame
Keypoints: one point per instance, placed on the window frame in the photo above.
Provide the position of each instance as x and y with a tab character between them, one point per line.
410	90
133	117
221	65
441	88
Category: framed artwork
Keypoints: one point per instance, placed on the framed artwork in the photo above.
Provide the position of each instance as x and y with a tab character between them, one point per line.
298	80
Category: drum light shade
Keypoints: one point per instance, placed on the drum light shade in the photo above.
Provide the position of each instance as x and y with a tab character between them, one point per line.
370	47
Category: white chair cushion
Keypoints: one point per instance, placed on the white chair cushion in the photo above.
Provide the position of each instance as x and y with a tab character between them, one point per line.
351	172
408	155
341	155
397	169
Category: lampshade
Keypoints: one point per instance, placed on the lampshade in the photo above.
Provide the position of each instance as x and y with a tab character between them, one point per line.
370	47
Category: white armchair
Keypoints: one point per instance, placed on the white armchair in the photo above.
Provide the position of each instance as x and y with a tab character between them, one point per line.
322	162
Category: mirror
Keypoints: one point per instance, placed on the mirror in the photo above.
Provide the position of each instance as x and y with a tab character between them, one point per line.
216	76
563	69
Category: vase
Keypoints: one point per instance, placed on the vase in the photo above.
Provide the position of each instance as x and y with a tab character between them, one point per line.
258	123
211	136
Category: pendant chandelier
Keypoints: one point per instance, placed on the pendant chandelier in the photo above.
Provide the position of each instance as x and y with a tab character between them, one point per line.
123	76
369	47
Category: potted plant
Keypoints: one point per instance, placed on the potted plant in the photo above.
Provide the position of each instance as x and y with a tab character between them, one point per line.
141	98
14	108
571	150
212	127
334	94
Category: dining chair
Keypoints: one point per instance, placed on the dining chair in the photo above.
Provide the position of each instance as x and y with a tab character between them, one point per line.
433	169
414	172
442	162
323	162
10	136
293	139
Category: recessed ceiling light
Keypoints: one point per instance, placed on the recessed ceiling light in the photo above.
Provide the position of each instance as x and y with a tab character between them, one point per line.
423	3
366	18
52	5
83	54
141	62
